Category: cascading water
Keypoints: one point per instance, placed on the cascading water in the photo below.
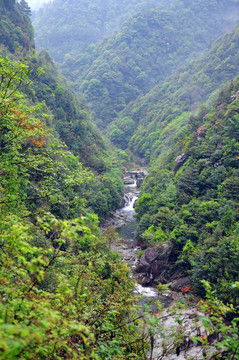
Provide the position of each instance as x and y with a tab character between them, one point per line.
127	230
130	248
128	209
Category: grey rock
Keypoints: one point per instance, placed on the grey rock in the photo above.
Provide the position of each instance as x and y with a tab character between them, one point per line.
180	283
189	319
153	261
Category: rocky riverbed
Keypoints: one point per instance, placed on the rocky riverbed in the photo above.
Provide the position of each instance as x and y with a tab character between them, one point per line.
124	222
180	323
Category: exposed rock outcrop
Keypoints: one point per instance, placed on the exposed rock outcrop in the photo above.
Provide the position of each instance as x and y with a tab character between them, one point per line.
153	262
132	176
188	324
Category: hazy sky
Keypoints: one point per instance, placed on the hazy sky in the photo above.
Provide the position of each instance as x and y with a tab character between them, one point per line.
35	4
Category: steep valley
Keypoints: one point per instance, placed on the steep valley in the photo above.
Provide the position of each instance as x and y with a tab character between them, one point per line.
136	85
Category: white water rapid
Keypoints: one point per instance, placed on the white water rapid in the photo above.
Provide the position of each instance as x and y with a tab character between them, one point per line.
130	199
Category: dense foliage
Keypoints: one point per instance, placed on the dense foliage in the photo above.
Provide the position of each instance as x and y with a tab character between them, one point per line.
72	122
63	293
71	118
89	22
147	48
193	201
160	116
15	28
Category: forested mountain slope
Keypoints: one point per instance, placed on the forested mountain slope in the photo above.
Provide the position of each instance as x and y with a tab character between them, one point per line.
15	27
57	274
160	117
71	118
63	292
192	200
147	48
72	123
66	27
68	117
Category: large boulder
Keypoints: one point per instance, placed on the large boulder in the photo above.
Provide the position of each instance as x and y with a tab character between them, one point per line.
153	262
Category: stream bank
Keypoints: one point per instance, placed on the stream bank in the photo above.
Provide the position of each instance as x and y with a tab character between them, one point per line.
128	247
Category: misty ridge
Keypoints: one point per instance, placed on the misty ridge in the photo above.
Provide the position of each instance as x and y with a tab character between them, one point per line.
37	4
148	47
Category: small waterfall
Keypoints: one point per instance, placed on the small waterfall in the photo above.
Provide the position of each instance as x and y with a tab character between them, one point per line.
129	201
130	197
127	233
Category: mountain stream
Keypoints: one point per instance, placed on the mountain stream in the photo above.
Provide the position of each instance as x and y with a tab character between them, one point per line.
128	246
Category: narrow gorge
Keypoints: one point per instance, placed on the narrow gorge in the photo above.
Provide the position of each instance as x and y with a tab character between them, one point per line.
129	248
119	180
127	245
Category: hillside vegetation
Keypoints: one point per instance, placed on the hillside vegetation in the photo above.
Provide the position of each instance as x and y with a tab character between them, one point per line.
72	123
63	294
192	201
62	290
90	21
15	27
146	48
161	116
70	119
